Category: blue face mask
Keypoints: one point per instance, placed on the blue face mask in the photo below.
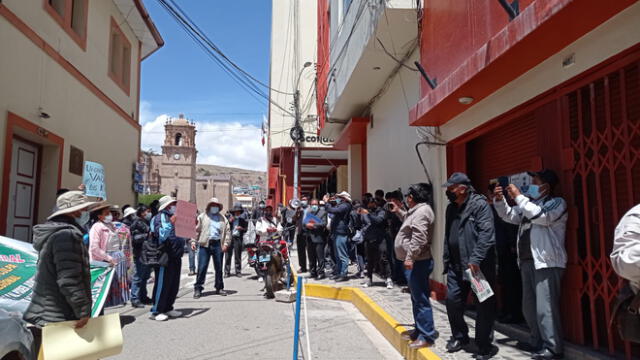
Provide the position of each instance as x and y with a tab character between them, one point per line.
338	201
314	208
533	191
214	210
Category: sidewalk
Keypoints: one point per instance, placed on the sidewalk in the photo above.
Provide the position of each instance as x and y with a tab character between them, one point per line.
398	305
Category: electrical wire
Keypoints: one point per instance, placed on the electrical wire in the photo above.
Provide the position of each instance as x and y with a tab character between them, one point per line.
216	54
219	51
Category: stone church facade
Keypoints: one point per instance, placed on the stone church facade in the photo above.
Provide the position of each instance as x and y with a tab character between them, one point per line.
175	171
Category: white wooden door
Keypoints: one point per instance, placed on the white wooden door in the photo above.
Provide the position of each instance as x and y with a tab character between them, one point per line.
23	181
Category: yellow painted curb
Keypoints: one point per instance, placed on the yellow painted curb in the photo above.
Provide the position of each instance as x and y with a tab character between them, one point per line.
385	323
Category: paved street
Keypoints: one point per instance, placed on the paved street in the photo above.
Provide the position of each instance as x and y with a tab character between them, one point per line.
244	325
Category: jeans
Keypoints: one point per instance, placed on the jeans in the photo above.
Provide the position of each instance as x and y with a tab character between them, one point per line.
214	250
139	284
541	305
377	255
457	293
342	255
418	278
192	258
235	251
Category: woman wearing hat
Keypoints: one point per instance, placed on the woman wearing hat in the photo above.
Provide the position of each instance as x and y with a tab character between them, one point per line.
108	243
167	277
62	289
214	238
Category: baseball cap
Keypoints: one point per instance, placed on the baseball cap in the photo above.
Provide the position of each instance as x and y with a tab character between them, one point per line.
457	178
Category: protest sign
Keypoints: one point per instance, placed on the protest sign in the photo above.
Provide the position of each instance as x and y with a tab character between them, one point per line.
18	265
93	180
99	339
186	213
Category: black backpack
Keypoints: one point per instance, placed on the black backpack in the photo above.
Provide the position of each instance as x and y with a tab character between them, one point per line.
154	254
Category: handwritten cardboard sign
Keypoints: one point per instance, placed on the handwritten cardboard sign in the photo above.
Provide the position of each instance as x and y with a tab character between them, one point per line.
186	213
93	180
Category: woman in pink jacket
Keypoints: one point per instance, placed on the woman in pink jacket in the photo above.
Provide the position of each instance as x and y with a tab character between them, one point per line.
107	243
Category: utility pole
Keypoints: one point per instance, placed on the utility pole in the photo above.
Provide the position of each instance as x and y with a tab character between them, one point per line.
296	149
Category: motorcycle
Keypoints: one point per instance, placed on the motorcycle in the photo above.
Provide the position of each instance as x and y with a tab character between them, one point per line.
272	263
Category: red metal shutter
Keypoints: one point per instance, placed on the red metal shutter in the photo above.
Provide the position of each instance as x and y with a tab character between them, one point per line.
507	150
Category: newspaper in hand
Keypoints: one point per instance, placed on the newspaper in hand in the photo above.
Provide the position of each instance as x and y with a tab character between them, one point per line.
479	285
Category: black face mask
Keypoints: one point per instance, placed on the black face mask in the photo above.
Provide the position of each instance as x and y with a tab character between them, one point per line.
451	196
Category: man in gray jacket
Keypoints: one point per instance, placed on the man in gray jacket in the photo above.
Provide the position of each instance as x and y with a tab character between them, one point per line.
542	220
62	289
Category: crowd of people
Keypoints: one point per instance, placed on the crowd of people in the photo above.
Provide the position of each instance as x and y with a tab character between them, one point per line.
511	236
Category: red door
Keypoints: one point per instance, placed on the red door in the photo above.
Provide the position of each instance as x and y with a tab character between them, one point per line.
602	136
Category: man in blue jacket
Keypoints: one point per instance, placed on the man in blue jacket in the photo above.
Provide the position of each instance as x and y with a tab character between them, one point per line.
168	275
469	243
340	207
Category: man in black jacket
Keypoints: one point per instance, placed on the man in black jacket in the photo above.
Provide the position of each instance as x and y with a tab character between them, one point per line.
258	212
239	224
340	207
301	240
469	245
62	289
139	234
374	232
314	231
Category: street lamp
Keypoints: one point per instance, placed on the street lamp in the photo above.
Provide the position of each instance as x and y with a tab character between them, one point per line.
298	138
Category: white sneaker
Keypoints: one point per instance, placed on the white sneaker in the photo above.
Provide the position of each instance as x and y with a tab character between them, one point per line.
389	284
162	317
260	280
174	314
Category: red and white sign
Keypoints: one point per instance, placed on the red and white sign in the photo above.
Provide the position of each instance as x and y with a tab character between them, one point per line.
186	214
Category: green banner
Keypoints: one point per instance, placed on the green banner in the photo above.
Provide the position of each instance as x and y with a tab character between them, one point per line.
18	266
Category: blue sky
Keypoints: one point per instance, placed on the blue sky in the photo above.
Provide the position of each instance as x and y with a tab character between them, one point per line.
181	78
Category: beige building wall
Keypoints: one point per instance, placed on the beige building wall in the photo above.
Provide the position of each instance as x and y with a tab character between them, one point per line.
355	171
342	179
31	79
392	161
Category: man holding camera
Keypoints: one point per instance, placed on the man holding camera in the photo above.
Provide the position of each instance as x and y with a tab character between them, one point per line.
340	207
542	220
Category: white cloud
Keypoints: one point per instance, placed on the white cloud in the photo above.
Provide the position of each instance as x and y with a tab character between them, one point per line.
218	143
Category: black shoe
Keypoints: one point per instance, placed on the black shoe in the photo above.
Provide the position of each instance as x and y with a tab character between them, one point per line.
333	277
137	304
238	274
546	354
525	346
455	345
197	294
192	273
221	292
410	336
342	279
486	354
313	275
147	301
227	275
321	277
302	270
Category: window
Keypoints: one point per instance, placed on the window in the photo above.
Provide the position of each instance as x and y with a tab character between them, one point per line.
71	15
178	141
119	57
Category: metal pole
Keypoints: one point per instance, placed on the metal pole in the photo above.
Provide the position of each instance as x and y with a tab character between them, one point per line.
296	154
296	335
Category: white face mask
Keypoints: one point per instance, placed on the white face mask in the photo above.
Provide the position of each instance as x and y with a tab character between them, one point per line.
147	216
214	210
108	219
172	209
83	219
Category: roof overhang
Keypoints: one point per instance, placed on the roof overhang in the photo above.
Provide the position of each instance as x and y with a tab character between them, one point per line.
355	132
540	31
142	25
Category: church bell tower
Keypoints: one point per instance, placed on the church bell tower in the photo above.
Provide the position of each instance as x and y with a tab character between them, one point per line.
178	169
